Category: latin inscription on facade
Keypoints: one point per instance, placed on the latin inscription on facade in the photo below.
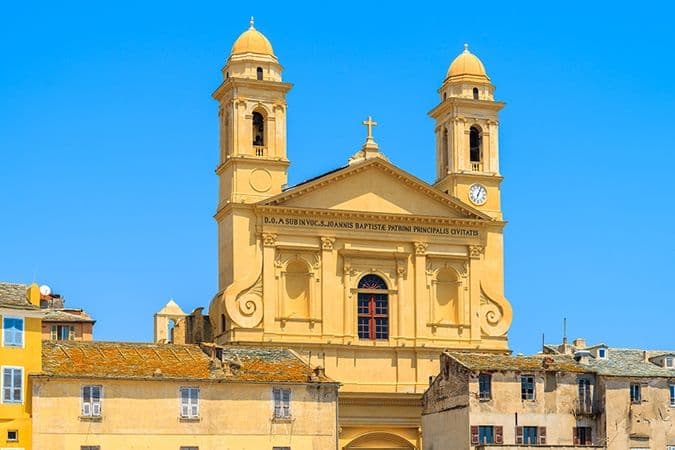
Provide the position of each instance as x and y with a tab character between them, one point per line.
378	227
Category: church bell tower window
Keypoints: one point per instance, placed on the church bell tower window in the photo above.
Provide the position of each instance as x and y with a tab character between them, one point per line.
373	308
475	93
476	149
258	133
259	73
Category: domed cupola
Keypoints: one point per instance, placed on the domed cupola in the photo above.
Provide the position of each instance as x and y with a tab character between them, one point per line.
252	41
252	57
467	78
467	65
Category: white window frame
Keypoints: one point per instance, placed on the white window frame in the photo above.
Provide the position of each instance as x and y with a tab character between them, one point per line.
91	408
281	409
23	332
188	410
602	353
2	382
671	390
669	362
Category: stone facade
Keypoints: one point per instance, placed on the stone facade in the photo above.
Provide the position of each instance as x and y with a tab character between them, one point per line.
617	399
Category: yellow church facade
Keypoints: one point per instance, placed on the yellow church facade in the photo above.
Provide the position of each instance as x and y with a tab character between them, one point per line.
365	270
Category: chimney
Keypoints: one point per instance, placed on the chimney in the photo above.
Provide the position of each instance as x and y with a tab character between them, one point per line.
579	343
319	371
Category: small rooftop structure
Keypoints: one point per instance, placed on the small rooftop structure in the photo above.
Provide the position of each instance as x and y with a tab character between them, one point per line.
19	296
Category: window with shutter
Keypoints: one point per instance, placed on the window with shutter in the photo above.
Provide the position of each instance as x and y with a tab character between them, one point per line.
189	402
575	436
12	330
499	435
486	434
474	435
282	403
12	384
91	401
529	435
542	435
527	390
485	386
519	435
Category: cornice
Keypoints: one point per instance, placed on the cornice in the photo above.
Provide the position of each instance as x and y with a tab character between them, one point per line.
345	400
231	206
365	215
232	160
451	102
472	175
265	85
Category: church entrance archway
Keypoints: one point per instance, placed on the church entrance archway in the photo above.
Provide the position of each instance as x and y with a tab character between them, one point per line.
379	440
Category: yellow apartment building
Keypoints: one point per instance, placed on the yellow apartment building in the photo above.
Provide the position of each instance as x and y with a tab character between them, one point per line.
20	348
115	395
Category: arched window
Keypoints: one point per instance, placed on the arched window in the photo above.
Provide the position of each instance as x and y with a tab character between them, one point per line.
258	129
445	95
227	75
373	308
475	144
223	323
475	93
171	324
259	73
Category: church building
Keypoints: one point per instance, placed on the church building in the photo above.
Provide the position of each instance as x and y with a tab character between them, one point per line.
365	270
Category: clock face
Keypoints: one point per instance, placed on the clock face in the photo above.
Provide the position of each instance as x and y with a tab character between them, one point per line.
477	194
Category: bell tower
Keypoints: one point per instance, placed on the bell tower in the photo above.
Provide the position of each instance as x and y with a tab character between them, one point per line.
252	116
253	163
467	138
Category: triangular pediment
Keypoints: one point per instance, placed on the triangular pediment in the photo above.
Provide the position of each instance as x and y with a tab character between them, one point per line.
375	186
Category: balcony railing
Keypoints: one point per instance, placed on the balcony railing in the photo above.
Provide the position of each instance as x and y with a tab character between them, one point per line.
476	166
260	150
585	406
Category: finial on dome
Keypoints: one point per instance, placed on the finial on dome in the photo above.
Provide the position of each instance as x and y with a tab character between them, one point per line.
250	23
466	46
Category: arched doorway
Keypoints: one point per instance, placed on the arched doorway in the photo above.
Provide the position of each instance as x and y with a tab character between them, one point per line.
379	440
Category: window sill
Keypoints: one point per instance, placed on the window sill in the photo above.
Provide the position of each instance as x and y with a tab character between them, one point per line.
189	419
289	419
484	400
91	418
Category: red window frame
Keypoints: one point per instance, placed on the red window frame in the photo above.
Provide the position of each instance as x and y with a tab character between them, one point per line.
367	308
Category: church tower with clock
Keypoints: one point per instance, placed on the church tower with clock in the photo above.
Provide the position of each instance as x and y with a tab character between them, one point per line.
467	140
365	270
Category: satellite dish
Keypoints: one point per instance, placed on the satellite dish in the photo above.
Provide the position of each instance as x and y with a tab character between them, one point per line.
45	290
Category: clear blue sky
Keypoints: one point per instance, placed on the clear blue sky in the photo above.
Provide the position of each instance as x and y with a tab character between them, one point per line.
108	141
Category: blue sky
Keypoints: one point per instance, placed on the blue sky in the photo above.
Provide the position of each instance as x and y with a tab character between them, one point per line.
108	141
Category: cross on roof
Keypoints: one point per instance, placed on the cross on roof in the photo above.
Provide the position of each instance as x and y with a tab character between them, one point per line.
370	123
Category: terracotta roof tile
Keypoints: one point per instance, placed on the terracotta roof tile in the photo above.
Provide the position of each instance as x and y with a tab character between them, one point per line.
124	360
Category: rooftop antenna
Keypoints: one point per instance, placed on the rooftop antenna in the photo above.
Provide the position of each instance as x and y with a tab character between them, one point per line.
543	343
564	330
